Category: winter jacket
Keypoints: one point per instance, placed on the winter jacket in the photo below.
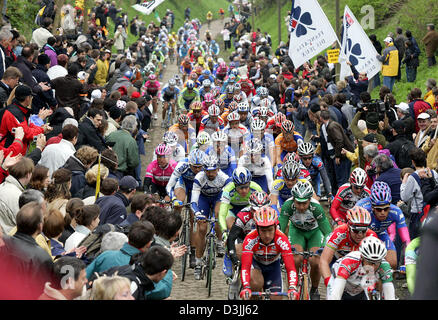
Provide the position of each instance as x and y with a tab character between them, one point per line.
430	41
126	149
26	68
113	208
78	171
101	74
54	156
411	57
389	59
89	135
356	86
10	191
5	91
121	82
51	53
44	99
68	91
56	120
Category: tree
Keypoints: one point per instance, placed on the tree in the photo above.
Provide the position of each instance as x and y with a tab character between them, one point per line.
87	6
57	22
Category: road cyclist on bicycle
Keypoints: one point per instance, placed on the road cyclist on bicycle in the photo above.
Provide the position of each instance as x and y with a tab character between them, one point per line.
177	152
188	95
225	154
169	94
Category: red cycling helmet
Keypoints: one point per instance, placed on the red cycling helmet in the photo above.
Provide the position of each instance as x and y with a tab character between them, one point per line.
265	217
279	118
183	120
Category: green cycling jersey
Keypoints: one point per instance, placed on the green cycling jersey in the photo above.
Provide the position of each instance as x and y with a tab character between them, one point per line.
230	197
411	255
186	96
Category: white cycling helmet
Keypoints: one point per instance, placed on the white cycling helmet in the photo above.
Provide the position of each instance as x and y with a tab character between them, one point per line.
254	146
243	107
233	116
358	177
306	149
258	124
214	110
372	249
219	136
203	138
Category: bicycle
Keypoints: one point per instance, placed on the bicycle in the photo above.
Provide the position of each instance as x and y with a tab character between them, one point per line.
266	295
233	282
184	237
209	258
168	119
303	273
172	55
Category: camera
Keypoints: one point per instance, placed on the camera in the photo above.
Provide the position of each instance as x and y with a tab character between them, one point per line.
381	107
13	130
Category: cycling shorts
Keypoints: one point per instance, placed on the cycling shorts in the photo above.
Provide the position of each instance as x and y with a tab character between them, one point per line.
152	93
306	239
262	182
187	103
388	242
206	204
271	275
167	98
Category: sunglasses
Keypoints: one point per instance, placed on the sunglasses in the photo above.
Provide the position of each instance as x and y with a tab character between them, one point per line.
242	187
356	230
307	158
358	187
381	209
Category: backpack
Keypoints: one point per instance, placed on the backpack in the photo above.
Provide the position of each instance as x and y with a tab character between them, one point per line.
404	157
426	185
94	240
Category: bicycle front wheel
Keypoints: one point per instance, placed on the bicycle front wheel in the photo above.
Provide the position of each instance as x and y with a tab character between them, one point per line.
185	240
304	287
210	264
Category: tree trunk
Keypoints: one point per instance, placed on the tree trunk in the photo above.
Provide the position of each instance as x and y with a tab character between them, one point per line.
2	22
87	6
59	4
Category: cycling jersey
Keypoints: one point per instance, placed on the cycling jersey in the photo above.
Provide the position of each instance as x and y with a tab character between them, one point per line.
182	176
341	242
344	200
185	139
152	88
304	223
232	202
267	141
167	94
247	86
207	192
183	50
209	126
255	102
411	256
177	154
264	255
236	137
316	171
280	189
160	176
381	227
261	172
227	159
357	276
288	146
197	120
185	98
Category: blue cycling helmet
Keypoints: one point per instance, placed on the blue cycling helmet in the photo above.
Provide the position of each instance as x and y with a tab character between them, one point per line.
196	157
210	162
190	84
206	72
380	194
235	72
241	176
128	74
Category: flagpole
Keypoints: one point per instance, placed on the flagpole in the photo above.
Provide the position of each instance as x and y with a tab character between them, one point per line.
279	20
338	65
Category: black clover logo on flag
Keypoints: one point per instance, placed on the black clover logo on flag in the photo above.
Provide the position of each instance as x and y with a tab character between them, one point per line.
353	52
300	22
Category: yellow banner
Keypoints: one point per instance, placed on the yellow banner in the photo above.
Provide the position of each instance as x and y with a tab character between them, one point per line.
333	56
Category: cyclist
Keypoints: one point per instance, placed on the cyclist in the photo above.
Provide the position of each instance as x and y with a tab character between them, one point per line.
231	80
228	96
383	215
281	189
316	168
159	171
349	194
225	154
359	270
263	113
274	124
208	101
213	48
209	18
221	71
345	239
203	141
287	141
236	133
196	114
186	65
308	228
212	122
177	152
247	86
188	95
207	190
206	88
263	93
186	133
227	110
245	118
261	252
235	196
258	132
152	87
206	75
168	96
258	164
238	92
171	44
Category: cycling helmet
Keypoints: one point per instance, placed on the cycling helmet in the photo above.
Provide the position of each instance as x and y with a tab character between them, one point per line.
233	116
265	217
241	176
380	194
235	72
263	111
170	138
219	102
196	157
206	72
287	126
291	156
306	149
238	98
237	86
206	83
372	249
152	77
358	216
232	106
219	136
264	93
243	107
203	138
291	170
208	97
190	84
259	199
258	124
232	78
172	82
358	177
230	89
254	146
183	120
128	74
210	162
121	104
214	110
279	118
302	191
162	150
222	64
196	105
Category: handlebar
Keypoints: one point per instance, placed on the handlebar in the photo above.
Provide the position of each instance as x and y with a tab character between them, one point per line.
307	254
268	294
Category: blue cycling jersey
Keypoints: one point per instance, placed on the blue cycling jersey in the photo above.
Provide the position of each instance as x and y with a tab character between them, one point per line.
227	159
183	174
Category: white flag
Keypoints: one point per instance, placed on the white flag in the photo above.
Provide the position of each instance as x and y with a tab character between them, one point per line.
357	48
311	31
147	6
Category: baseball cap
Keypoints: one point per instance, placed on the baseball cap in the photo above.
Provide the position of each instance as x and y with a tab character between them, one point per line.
388	40
135	95
128	183
403	106
423	116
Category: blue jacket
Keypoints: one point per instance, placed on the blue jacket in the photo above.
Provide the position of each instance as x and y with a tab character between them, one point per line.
112	258
129	220
392	178
112	208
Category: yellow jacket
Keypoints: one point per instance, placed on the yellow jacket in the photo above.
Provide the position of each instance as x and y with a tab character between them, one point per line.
429	98
101	73
389	61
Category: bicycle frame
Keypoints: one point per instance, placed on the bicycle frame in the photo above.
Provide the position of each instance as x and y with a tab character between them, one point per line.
209	259
303	273
185	237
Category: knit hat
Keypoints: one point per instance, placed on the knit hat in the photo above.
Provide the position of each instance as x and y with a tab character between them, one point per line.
372	120
43	59
23	91
370	137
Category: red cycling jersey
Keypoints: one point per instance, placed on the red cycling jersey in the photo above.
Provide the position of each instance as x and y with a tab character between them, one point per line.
341	242
267	254
344	200
152	87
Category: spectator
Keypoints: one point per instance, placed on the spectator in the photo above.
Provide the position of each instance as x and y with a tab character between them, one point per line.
102	70
67	285
417	106
111	161
399	43
44	99
430	41
404	115
71	211
88	192
140	239
88	130
125	145
54	156
429	97
138	204
113	240
411	60
40	35
111	288
60	69
40	179
113	207
9	81
78	164
87	220
5	39
425	132
358	83
120	37
400	147
10	191
386	172
390	61
58	191
58	120
50	51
